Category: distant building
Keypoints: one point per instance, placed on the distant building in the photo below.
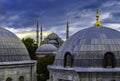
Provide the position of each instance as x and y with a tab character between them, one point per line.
92	54
15	63
54	39
50	44
48	47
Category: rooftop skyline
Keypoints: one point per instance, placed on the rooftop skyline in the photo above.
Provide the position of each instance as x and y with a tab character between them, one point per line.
20	16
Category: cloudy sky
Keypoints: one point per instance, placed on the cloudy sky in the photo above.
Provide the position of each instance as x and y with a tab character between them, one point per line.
20	16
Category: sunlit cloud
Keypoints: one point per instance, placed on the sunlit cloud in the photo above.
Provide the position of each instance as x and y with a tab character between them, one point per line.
113	26
27	32
20	30
104	16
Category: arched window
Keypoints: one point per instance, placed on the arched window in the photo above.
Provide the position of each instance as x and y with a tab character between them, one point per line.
21	78
112	80
68	60
9	79
51	78
109	60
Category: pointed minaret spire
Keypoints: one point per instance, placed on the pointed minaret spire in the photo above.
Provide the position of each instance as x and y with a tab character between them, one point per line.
97	23
41	34
67	30
37	33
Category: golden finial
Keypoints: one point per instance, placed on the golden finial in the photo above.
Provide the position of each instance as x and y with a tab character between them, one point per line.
97	23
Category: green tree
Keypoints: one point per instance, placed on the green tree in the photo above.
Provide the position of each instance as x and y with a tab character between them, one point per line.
42	71
31	46
42	63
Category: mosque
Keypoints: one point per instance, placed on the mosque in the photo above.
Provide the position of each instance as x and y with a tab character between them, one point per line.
50	44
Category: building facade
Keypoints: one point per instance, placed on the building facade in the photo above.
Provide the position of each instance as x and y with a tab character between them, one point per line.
92	54
54	39
15	63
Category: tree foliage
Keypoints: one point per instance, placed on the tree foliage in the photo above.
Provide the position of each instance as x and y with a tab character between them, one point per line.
42	71
42	63
31	46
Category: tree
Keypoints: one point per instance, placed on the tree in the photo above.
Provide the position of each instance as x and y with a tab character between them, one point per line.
42	71
31	46
42	63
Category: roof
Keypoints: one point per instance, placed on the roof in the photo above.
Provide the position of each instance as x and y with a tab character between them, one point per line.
54	39
52	36
88	47
83	69
46	49
93	39
11	47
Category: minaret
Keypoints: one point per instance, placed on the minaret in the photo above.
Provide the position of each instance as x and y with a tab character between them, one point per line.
67	30
37	33
41	34
97	23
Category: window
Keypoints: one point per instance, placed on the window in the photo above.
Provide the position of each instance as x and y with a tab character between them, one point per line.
68	60
9	79
109	60
21	78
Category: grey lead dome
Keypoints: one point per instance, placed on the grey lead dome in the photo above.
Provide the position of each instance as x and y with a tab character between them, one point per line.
89	46
46	49
91	39
11	47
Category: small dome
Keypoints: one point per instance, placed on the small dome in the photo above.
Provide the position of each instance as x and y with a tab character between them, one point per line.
46	49
52	41
11	47
89	46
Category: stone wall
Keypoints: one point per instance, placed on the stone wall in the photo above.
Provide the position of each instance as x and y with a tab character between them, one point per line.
71	75
99	76
28	71
62	75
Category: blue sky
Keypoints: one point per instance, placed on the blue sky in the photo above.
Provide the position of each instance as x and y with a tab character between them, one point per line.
20	16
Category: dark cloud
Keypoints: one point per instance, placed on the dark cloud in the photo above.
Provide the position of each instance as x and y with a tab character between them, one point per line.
54	13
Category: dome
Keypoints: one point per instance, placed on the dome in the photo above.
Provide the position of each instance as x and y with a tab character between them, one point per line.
46	49
11	47
52	36
54	39
89	46
53	42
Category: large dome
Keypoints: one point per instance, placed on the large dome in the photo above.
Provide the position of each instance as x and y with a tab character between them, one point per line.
11	47
89	46
91	39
